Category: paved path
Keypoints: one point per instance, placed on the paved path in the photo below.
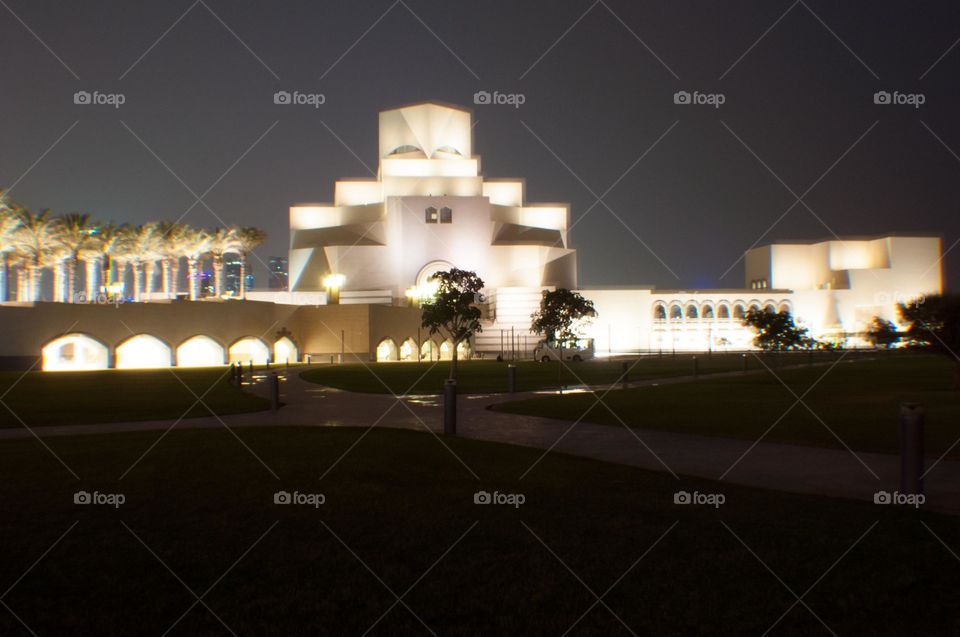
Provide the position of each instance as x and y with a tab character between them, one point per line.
792	468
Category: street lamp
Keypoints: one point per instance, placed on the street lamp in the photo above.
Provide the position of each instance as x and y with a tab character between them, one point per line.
333	283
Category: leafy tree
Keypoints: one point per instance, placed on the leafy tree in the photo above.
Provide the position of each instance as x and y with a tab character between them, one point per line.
935	323
776	331
560	310
453	311
883	333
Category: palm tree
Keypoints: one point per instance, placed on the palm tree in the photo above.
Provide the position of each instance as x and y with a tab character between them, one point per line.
140	247
8	227
108	249
247	240
170	235
76	237
34	241
222	242
194	246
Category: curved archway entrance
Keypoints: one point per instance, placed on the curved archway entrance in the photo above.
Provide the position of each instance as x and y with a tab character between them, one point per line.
143	352
387	350
285	351
408	350
250	349
200	351
74	352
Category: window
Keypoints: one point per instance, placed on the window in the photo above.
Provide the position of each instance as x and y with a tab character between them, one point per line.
446	215
431	215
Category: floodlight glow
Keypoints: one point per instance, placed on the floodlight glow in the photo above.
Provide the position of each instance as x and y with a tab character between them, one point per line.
143	352
200	351
75	352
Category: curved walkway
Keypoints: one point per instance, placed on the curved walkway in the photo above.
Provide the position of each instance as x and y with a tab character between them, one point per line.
791	468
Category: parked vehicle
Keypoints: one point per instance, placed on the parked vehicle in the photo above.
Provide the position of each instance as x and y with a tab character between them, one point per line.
577	350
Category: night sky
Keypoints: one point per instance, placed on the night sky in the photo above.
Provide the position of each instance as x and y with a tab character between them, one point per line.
799	114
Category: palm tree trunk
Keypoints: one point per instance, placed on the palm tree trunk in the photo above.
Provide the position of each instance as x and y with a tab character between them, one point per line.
165	275
91	279
175	276
23	284
4	274
150	273
35	278
243	276
193	276
71	279
218	277
137	280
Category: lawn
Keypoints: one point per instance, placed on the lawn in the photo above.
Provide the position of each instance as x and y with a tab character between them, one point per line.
60	398
400	500
857	400
486	376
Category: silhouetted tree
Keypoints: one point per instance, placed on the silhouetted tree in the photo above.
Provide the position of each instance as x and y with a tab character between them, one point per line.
776	331
935	323
883	333
452	311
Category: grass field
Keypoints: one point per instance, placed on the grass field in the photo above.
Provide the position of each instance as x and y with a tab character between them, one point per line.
485	376
859	401
44	398
199	501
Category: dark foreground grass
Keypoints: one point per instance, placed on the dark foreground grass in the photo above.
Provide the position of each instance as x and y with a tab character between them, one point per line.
403	504
67	398
859	401
485	376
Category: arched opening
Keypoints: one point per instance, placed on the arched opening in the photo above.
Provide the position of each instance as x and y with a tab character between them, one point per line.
692	312
387	350
408	350
770	307
659	312
200	351
464	351
755	306
250	350
143	352
446	350
75	352
739	311
785	307
428	351
676	313
285	351
706	311
723	311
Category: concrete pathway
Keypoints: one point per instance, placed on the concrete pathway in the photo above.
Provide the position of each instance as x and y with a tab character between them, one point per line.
791	468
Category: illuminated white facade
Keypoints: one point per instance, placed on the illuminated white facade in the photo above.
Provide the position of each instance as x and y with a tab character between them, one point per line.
428	209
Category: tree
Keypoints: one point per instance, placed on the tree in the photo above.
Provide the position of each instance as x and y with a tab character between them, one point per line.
882	333
560	311
193	245
76	236
934	322
8	228
453	311
140	246
247	240
776	331
33	240
222	242
170	237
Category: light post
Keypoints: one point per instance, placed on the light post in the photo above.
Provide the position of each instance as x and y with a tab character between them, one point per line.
333	283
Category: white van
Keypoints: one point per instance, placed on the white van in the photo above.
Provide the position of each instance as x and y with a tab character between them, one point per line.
576	351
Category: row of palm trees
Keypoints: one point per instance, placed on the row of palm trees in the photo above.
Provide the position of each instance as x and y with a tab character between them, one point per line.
34	242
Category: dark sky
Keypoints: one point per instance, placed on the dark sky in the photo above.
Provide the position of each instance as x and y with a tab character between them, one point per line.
800	99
